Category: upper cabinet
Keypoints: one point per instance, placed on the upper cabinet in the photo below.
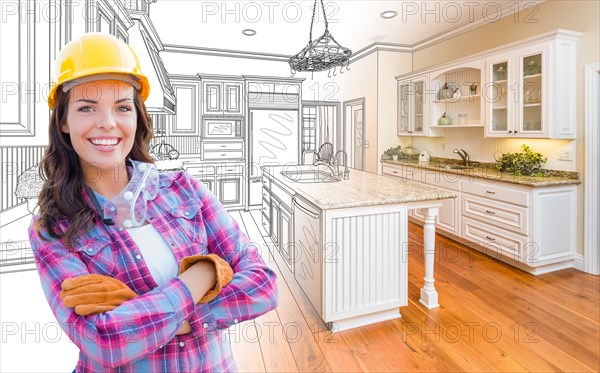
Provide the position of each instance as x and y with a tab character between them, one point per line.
530	90
186	120
412	106
222	97
525	89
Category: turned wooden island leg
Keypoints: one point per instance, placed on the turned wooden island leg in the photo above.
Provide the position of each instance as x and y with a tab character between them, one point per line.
429	296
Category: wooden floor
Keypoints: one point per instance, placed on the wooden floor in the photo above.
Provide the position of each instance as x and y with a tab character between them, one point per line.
493	317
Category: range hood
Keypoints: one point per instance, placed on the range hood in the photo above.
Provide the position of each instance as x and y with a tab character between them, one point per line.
145	42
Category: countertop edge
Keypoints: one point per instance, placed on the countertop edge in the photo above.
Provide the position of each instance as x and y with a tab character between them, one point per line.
492	174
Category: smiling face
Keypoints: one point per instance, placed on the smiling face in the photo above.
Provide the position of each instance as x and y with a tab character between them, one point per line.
101	123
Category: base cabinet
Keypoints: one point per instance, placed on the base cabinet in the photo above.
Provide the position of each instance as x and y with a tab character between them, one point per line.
277	214
532	228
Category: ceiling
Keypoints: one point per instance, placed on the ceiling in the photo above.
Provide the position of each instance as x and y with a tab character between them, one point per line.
282	27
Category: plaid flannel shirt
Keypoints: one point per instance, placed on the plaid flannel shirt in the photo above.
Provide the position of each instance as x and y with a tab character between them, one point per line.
139	335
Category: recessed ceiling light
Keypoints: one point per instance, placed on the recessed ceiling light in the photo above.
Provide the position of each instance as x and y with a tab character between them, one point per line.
249	32
388	14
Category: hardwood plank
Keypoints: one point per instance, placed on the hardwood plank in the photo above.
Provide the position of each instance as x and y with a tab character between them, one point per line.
274	344
246	348
475	290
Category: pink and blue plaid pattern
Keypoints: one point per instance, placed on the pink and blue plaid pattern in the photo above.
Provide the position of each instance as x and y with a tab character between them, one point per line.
139	335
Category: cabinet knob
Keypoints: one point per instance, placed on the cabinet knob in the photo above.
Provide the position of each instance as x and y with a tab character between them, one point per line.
509	131
516	131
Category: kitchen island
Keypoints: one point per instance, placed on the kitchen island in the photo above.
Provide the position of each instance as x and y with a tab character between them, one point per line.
346	241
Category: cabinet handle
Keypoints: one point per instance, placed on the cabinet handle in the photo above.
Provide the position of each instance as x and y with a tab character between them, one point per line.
509	131
490	212
395	172
516	131
490	238
490	192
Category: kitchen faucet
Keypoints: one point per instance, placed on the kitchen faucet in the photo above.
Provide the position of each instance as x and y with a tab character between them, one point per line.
464	155
337	164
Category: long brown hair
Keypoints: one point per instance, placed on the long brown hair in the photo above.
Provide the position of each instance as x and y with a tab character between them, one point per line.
61	195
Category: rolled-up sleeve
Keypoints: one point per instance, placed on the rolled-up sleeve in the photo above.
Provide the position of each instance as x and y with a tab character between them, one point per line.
113	338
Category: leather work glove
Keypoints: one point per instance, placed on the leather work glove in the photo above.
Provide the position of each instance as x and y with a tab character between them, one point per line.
223	270
93	293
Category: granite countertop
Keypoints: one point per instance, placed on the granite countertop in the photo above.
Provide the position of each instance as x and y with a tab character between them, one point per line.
488	171
362	189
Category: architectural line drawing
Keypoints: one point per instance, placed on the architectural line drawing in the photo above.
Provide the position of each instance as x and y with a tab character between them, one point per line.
227	108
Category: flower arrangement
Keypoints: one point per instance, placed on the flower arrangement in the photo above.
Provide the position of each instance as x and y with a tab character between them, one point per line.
526	163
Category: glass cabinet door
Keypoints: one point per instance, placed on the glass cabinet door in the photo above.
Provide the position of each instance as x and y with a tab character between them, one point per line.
497	96
418	88
403	108
530	102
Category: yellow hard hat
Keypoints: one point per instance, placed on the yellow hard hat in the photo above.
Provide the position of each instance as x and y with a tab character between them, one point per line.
93	54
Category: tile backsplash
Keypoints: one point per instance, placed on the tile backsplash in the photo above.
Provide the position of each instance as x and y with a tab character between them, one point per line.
483	149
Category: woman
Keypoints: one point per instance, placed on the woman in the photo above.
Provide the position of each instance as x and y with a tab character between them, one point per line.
153	298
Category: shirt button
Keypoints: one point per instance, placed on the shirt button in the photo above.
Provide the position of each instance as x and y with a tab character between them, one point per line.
186	213
161	346
90	250
205	325
138	257
172	243
120	229
235	321
181	344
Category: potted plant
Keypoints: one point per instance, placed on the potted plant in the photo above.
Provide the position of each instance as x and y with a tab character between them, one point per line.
393	153
526	163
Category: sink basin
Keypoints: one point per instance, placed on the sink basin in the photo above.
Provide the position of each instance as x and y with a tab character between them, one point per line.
309	176
455	167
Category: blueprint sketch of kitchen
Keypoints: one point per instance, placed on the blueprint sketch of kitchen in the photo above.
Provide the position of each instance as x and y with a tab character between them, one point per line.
224	102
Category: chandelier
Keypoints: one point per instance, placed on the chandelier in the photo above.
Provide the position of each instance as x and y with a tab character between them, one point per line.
321	54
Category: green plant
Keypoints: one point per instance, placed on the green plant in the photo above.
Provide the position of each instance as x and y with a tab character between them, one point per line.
526	163
395	151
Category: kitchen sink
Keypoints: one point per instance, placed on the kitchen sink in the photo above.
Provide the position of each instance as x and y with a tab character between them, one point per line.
309	176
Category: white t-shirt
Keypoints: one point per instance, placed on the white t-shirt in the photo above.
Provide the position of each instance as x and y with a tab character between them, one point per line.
157	254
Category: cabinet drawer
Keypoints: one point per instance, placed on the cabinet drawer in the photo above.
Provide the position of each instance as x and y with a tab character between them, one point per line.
500	193
266	181
222	146
503	215
391	170
442	179
230	169
223	155
266	195
200	169
494	240
266	208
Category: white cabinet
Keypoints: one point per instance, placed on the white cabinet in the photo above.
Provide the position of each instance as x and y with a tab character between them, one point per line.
222	97
412	106
186	120
530	90
277	211
230	189
532	228
224	180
